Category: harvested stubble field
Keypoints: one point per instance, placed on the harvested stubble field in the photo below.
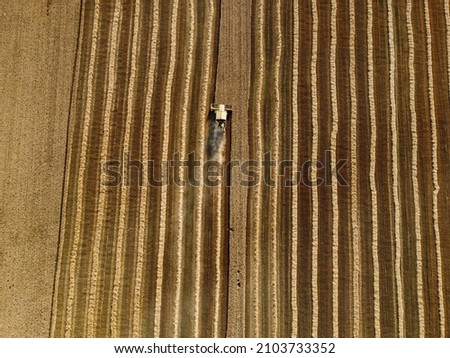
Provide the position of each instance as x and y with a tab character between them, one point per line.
106	249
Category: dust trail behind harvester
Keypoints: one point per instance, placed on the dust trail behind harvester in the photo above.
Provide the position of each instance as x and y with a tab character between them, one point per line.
216	143
216	247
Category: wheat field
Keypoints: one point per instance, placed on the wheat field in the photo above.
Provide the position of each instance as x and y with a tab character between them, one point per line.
340	118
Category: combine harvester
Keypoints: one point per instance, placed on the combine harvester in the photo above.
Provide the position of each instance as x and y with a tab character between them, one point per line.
221	114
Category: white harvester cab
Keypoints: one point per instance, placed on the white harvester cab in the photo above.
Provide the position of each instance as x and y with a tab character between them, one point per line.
221	115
